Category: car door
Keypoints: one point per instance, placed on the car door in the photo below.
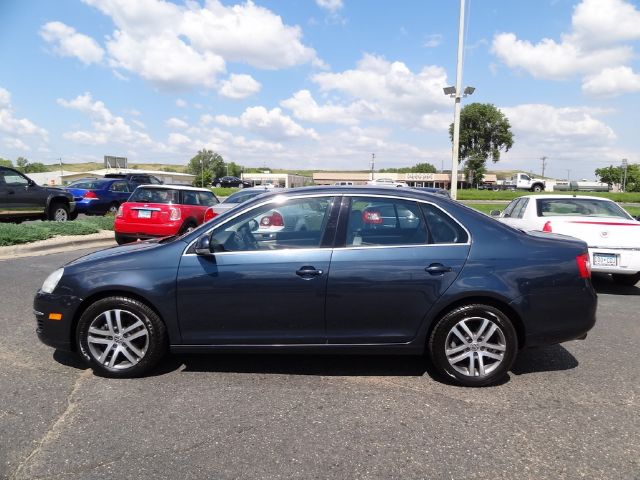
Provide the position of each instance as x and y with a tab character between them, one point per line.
4	200
393	262
120	191
259	291
23	197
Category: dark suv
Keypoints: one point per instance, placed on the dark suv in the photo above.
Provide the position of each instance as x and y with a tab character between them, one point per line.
136	178
21	199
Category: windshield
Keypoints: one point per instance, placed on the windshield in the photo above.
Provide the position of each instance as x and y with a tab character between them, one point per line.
556	207
154	195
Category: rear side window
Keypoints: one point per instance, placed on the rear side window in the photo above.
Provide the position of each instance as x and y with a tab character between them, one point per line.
155	195
207	199
89	185
119	187
443	228
384	222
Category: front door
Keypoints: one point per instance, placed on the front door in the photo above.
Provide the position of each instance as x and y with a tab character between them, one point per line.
20	196
266	282
398	258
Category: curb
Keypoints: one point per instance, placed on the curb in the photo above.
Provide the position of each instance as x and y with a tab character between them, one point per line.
102	239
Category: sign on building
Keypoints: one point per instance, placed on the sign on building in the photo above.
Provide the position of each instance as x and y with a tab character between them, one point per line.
115	162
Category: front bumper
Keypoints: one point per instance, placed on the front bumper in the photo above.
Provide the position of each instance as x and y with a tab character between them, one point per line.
48	307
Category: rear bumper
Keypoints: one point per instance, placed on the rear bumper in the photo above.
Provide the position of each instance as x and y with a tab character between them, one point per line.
142	230
627	260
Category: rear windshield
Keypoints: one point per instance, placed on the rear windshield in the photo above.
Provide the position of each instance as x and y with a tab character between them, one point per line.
155	195
555	207
89	185
240	197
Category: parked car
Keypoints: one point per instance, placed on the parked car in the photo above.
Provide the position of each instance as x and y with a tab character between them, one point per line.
344	184
612	234
438	191
471	292
161	211
386	182
233	200
97	196
230	181
21	199
136	178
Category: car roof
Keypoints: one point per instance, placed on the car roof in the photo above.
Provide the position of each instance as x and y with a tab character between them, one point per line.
557	197
176	187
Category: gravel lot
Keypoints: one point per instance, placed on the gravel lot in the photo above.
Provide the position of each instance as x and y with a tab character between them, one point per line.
569	411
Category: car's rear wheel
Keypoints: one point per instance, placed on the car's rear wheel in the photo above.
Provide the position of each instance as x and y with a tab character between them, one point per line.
121	337
187	227
473	344
113	209
218	184
629	280
58	212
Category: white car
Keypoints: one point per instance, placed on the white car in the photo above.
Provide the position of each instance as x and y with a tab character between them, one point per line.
612	235
386	182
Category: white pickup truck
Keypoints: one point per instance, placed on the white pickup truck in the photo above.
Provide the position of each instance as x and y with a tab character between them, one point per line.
522	181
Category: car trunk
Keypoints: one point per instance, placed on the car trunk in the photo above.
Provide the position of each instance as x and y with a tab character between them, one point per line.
146	213
604	232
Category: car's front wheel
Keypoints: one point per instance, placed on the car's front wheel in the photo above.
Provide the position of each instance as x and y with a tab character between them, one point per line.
629	280
121	337
58	212
473	344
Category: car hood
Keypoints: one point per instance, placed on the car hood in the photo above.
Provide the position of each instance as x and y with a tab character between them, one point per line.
130	249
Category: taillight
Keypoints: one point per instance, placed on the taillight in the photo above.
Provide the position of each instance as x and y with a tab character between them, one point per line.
120	212
547	227
372	216
209	215
584	265
273	220
89	194
174	213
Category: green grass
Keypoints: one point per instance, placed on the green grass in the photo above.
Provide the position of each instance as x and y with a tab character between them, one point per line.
223	191
473	194
12	234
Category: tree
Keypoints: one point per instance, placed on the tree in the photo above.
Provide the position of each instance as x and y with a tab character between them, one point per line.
21	163
418	168
6	163
615	175
234	169
206	162
484	132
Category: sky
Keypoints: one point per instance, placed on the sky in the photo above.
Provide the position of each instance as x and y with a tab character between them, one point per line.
317	84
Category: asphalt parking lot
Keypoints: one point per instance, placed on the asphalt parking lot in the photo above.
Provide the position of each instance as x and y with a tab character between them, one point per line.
569	411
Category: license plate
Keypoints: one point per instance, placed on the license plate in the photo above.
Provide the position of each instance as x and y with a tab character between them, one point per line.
605	259
144	213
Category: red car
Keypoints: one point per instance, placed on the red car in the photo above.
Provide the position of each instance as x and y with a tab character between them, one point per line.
160	211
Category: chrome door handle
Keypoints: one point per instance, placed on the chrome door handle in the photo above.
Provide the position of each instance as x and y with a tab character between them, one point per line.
308	272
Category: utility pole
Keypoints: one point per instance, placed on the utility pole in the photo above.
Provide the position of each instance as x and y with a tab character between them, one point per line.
202	172
456	117
624	182
544	164
61	171
373	163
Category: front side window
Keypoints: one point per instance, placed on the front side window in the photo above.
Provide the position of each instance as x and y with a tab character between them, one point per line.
385	222
293	223
13	179
510	208
518	211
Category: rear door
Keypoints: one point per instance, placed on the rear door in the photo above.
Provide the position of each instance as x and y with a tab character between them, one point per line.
393	261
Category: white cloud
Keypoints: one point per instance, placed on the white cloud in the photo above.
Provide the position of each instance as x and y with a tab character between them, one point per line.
331	5
17	128
594	43
239	86
611	82
304	107
174	122
433	40
69	43
107	128
176	46
180	103
391	91
272	124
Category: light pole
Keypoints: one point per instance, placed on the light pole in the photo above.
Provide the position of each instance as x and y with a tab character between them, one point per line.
457	93
373	163
202	172
624	182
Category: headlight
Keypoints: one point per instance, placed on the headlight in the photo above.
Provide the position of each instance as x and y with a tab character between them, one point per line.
52	280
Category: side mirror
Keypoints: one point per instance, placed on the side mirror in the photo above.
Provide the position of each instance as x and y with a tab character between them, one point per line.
203	246
494	213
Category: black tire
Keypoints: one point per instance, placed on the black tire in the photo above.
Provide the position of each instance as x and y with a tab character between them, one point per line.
536	188
74	215
218	184
628	280
121	240
187	227
58	212
443	332
113	209
153	345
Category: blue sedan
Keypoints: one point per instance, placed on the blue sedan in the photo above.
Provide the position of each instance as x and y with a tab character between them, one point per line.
99	196
370	270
